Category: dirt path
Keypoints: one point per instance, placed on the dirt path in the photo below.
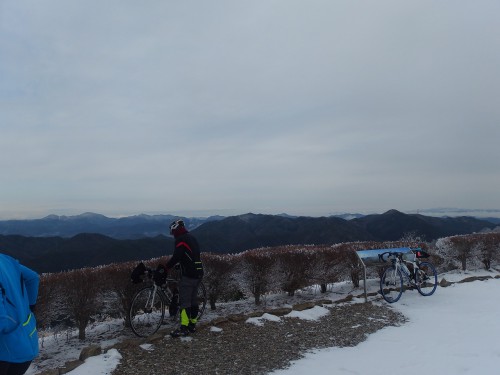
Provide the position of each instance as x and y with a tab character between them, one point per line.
243	348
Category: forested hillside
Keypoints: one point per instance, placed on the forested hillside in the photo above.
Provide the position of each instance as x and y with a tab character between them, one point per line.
232	235
53	254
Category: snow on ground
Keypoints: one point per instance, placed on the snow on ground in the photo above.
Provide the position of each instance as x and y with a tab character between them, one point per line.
103	364
261	320
455	331
311	314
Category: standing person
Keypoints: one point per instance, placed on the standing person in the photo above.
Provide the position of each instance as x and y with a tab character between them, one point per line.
18	335
187	254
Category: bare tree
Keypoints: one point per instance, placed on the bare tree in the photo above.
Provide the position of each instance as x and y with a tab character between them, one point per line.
257	268
411	239
48	305
487	246
218	277
116	279
461	249
82	290
295	264
326	266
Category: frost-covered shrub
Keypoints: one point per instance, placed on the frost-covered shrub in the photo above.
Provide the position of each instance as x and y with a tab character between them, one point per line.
218	276
82	290
50	309
327	266
119	289
258	269
295	264
489	248
469	251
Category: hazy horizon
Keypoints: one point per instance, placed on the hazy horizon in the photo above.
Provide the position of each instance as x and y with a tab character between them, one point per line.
451	212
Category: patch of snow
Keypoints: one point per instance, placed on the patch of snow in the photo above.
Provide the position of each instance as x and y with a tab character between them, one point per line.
260	320
103	364
147	347
310	314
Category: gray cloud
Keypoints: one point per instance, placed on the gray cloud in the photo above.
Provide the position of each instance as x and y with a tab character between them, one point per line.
270	106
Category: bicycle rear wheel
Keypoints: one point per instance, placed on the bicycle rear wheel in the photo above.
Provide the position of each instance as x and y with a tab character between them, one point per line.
426	279
202	303
391	284
202	299
147	311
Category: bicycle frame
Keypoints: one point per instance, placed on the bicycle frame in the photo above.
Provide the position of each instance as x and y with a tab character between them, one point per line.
161	291
164	289
403	268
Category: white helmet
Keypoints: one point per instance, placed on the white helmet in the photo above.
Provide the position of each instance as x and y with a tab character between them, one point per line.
176	224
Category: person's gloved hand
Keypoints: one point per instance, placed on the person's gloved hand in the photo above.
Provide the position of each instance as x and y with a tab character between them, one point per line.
160	275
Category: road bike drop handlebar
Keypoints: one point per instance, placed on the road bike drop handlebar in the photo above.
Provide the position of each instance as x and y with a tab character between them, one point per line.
417	252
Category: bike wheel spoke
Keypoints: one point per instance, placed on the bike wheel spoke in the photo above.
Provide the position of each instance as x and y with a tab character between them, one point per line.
202	299
426	279
391	285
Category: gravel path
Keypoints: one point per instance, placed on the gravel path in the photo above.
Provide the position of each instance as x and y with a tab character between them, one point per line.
243	348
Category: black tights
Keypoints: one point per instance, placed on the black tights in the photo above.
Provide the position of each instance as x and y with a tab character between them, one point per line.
9	368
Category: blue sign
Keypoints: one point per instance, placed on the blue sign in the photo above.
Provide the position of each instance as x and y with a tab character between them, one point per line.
371	257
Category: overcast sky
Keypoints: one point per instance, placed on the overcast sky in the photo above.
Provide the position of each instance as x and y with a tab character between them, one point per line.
268	106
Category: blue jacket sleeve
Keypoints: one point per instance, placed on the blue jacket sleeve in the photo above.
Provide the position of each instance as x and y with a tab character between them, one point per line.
31	281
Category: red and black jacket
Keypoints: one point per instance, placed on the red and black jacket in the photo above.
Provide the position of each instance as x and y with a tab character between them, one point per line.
187	254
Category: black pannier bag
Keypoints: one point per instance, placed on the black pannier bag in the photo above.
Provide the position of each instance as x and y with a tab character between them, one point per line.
137	273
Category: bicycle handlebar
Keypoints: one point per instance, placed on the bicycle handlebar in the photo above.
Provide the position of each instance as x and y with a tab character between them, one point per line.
167	276
399	255
396	254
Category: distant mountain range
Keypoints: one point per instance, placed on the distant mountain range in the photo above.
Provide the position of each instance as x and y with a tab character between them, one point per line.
130	227
57	243
137	226
238	233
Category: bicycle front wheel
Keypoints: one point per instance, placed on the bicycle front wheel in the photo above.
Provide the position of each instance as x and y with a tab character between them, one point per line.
426	279
147	311
391	284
